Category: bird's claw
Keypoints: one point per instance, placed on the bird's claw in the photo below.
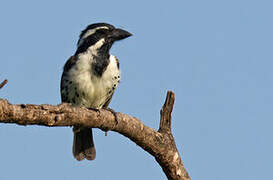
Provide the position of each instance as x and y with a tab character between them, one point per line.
94	109
114	113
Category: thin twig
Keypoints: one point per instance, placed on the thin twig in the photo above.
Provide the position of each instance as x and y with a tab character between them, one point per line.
3	83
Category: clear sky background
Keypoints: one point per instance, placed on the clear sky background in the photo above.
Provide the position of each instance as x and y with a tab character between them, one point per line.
215	55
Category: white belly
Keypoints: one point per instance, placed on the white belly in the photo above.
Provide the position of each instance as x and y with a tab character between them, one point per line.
89	90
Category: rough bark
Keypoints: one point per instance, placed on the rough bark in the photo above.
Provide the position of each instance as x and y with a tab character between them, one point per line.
159	144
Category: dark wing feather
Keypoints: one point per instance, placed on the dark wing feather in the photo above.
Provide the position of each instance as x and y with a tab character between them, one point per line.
69	63
108	101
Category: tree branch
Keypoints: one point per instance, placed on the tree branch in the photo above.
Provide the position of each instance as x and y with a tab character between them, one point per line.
3	83
166	113
159	144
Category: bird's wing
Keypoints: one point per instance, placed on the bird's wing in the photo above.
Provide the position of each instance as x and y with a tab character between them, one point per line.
69	63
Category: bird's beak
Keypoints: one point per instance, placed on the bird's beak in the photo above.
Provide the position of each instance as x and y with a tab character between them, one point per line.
119	34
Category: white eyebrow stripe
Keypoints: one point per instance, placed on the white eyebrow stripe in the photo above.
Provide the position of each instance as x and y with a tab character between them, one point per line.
90	32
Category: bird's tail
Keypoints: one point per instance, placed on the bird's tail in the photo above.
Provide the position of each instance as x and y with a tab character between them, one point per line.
83	145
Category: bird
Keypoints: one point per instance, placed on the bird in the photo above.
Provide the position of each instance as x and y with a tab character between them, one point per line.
90	77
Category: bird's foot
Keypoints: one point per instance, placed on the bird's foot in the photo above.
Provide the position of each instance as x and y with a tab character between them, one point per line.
114	113
94	109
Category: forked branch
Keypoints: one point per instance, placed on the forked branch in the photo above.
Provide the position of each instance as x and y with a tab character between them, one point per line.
159	144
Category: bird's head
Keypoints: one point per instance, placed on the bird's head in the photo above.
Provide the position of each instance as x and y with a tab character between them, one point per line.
100	37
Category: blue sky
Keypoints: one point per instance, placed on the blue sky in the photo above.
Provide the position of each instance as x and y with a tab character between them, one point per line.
215	55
